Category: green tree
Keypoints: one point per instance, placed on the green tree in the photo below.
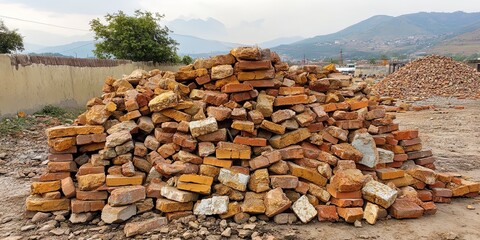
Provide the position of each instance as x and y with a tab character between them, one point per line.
139	37
187	60
10	40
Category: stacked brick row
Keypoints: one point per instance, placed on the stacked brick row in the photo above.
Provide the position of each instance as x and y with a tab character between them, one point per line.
238	135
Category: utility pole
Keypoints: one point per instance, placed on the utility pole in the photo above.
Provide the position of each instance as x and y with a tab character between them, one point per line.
340	60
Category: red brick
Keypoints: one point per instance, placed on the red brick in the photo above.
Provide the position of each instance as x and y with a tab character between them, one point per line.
302	187
358	105
261	83
292	152
203	79
291	90
347	152
284	181
47	177
257	142
403	208
442	192
349	124
62	166
351	214
419	154
236	87
243	96
68	188
405	134
424	161
344	195
253	65
90	138
347	202
402	157
425	195
60	157
78	206
429	208
442	200
91	195
409	142
327	213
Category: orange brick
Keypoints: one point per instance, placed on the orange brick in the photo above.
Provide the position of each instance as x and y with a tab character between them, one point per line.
307	174
194	187
351	214
246	126
347	202
79	206
119	180
46	177
327	213
236	87
329	107
390	173
272	127
405	134
194	178
347	195
291	90
177	215
226	150
62	166
358	105
291	100
217	162
256	142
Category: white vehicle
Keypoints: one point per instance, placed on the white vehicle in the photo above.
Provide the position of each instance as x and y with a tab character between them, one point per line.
349	68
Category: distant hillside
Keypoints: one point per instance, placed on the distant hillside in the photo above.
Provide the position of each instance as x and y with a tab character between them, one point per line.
80	49
465	44
385	34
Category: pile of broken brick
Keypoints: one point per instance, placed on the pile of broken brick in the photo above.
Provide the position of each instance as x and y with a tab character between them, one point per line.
238	135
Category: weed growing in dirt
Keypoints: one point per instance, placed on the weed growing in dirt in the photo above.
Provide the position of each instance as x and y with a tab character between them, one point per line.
48	116
15	124
64	115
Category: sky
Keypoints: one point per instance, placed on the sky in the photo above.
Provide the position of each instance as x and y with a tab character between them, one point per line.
240	21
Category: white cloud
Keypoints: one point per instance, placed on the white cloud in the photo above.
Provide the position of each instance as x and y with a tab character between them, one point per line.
305	18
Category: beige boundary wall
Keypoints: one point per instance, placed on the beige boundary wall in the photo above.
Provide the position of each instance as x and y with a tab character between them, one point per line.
27	83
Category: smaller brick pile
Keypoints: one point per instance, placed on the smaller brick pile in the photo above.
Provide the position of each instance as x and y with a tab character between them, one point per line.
238	135
431	76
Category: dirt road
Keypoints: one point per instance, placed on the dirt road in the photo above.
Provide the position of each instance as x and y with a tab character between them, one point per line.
453	135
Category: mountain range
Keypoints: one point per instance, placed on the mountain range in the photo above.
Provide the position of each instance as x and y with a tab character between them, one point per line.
440	33
405	34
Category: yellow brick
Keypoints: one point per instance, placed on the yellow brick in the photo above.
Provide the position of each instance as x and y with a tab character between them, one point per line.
119	180
246	126
39	204
44	187
166	205
194	187
61	144
176	115
272	127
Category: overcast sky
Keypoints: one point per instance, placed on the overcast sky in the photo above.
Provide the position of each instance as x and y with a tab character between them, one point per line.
244	21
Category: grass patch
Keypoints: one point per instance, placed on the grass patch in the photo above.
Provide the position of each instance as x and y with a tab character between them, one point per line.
16	124
49	115
63	114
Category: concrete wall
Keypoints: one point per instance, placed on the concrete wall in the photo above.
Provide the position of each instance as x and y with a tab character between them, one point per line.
370	70
29	83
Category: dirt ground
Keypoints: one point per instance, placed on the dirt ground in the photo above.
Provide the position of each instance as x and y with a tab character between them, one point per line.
453	135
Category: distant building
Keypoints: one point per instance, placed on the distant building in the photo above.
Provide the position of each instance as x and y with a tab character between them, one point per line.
475	64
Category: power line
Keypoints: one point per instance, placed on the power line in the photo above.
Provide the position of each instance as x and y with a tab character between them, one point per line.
47	24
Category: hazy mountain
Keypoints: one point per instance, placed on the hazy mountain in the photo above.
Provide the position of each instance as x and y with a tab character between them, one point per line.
385	34
279	41
208	29
80	49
